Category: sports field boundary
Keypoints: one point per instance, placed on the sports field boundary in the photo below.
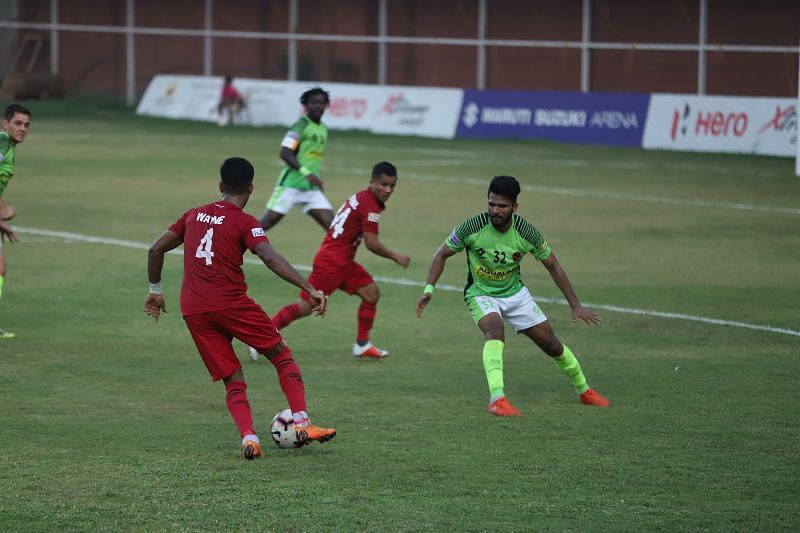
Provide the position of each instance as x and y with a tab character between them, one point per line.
618	196
91	239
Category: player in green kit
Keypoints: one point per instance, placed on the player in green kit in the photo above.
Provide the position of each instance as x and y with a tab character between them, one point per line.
16	122
496	242
302	149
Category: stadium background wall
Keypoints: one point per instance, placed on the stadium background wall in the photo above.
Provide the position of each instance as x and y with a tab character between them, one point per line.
428	44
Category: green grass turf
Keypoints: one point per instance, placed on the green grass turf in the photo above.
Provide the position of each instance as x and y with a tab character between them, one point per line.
109	422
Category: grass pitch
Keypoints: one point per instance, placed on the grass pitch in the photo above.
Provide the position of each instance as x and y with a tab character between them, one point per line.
110	422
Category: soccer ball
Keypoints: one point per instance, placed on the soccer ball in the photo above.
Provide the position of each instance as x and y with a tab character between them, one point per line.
282	429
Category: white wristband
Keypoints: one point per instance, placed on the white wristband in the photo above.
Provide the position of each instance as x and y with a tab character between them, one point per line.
155	288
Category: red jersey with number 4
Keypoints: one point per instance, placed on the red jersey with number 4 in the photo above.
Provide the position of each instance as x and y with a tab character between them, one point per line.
360	214
215	237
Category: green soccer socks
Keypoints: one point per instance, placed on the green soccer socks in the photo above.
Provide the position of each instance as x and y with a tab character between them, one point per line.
493	365
571	368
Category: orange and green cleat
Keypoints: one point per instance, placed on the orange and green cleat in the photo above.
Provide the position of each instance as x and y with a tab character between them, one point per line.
502	407
251	448
592	397
309	432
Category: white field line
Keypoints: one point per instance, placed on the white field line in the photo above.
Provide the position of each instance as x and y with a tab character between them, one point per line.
454	158
585	193
666	200
466	161
442	287
469	158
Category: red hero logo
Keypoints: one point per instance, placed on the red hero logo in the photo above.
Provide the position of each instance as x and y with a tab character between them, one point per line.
713	123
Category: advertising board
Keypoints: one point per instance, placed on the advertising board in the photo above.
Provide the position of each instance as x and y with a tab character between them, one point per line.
766	126
428	112
596	118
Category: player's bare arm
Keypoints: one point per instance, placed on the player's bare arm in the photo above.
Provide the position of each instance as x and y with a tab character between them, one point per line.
7	212
375	246
562	282
280	266
7	232
290	157
154	303
434	273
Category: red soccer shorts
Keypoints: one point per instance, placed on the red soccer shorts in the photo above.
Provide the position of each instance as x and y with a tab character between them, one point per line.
348	278
213	332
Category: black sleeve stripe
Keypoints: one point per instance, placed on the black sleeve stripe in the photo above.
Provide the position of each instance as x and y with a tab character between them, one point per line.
527	231
472	225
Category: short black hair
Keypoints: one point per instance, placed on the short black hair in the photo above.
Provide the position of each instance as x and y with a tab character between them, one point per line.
306	96
236	174
507	186
383	168
13	109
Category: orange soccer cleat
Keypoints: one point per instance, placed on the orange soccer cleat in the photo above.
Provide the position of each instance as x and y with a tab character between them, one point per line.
251	448
592	397
309	432
369	350
502	407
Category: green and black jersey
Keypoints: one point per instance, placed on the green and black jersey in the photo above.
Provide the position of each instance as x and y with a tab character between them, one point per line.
307	139
6	160
493	258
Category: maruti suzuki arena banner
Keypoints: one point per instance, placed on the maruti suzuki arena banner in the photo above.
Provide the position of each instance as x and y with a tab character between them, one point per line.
766	126
428	112
596	118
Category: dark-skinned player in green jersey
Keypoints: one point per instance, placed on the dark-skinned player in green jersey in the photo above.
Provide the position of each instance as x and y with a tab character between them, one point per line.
496	242
299	182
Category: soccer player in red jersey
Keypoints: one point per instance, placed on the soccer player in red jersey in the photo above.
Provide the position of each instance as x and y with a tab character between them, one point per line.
215	304
335	266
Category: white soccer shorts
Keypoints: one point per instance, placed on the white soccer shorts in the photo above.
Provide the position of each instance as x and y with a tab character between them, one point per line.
520	310
285	198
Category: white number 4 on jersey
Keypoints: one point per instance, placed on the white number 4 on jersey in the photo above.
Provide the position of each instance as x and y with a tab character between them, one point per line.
204	248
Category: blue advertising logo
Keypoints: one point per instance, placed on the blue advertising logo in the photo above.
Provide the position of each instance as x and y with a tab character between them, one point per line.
470	115
570	117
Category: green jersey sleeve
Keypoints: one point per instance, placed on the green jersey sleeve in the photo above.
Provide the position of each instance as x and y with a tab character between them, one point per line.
300	125
461	233
6	160
5	144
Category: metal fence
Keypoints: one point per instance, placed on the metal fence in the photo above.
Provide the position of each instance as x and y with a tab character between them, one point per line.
382	40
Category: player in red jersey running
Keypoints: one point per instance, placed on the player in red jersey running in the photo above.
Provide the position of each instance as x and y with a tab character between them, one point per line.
215	304
335	266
